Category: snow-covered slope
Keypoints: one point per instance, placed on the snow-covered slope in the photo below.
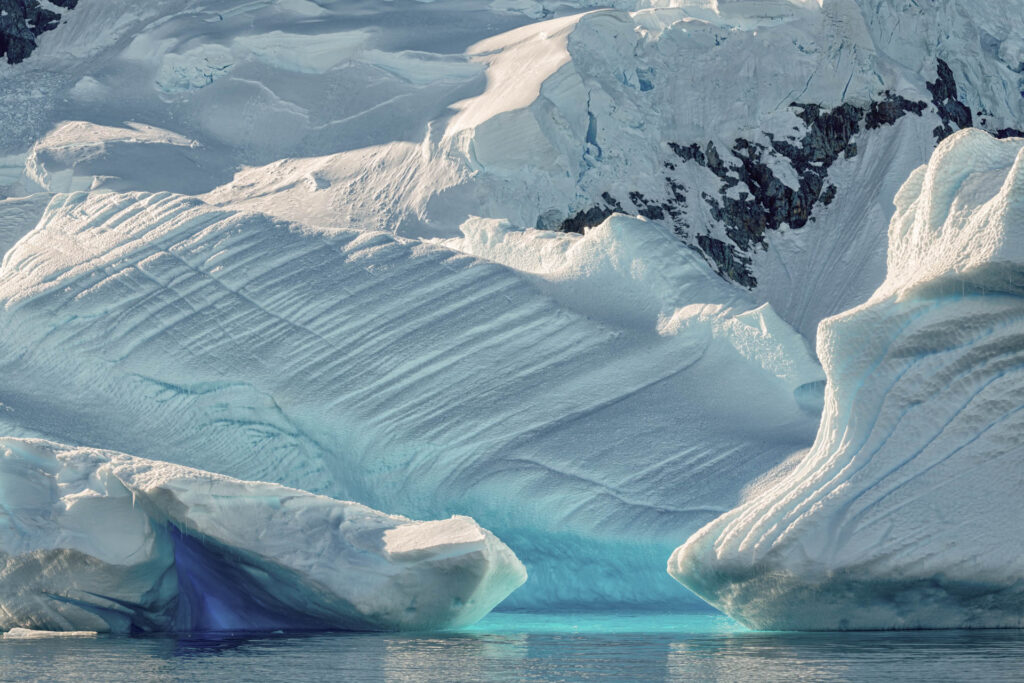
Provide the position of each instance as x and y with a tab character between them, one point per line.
907	512
770	135
101	541
594	395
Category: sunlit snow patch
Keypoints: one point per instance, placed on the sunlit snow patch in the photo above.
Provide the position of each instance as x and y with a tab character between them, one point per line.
27	634
101	541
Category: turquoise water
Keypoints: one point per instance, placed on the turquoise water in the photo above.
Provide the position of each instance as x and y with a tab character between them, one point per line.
533	647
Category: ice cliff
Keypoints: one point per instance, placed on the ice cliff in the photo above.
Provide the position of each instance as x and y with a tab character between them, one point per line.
101	541
907	511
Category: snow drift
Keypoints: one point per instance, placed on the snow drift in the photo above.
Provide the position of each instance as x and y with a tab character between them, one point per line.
907	512
101	541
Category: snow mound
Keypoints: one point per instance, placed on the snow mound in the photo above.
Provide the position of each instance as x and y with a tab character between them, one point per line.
411	376
77	155
101	541
907	511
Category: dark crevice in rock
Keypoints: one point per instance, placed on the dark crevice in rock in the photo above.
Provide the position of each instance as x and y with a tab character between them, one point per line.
22	21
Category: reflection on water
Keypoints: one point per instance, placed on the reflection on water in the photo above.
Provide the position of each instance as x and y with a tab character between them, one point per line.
532	647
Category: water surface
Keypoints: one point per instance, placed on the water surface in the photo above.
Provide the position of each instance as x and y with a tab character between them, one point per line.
532	647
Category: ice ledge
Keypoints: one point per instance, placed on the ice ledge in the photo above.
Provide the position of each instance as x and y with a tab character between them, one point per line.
102	541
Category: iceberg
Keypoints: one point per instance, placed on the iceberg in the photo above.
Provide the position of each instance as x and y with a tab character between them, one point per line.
99	541
389	252
561	389
907	512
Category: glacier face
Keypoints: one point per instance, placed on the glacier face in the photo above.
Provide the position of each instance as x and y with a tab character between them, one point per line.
101	541
906	512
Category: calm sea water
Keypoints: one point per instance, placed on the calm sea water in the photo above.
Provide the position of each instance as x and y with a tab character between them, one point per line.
533	647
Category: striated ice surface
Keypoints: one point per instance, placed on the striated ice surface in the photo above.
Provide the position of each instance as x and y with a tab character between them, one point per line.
101	541
560	389
907	511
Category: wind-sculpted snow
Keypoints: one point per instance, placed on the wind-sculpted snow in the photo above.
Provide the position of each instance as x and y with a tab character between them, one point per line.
563	400
101	541
907	511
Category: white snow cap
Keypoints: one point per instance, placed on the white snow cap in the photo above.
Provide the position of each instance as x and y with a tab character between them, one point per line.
101	541
907	512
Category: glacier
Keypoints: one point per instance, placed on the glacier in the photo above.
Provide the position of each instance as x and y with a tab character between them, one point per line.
100	541
382	125
906	513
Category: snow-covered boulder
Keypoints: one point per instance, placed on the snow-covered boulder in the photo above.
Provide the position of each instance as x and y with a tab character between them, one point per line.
101	541
907	512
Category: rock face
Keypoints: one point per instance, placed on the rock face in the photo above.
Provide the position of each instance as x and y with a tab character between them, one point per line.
907	511
944	96
751	199
22	21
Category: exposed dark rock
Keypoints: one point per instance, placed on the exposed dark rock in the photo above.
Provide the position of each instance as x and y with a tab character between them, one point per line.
768	203
829	194
886	112
595	215
751	200
829	135
691	153
22	21
716	165
657	211
728	261
945	98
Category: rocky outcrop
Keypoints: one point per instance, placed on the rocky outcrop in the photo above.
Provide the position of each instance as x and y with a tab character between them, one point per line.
751	200
22	21
588	218
946	100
